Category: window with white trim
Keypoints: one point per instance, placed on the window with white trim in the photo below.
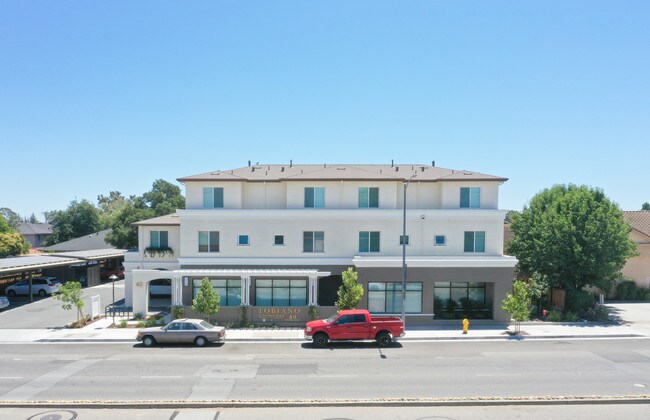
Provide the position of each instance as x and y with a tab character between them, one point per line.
243	240
278	240
470	197
313	241
368	197
368	241
314	197
474	241
401	240
208	241
439	240
212	197
158	239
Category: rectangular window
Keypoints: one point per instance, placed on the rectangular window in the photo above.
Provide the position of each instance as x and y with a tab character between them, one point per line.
474	241
229	290
470	197
243	240
440	240
159	239
313	242
314	197
368	241
278	240
280	292
401	239
368	197
208	241
212	198
459	300
386	297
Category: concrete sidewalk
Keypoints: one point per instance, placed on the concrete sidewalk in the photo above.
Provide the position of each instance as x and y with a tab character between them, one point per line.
99	331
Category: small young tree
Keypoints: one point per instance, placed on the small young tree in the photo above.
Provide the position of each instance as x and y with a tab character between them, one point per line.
71	295
350	292
207	300
517	304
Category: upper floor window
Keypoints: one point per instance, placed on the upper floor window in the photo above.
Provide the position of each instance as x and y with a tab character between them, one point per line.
243	240
313	242
212	198
368	197
470	197
475	241
314	197
208	241
278	240
159	239
368	241
439	240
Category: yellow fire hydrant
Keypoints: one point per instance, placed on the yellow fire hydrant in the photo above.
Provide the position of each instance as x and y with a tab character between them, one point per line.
465	325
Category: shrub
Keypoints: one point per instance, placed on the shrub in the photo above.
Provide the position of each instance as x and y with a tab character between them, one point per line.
554	315
244	316
313	312
579	300
599	313
138	315
151	322
570	316
140	324
626	290
178	312
123	323
643	294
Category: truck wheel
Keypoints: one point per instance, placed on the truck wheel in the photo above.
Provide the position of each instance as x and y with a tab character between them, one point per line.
148	341
321	340
384	339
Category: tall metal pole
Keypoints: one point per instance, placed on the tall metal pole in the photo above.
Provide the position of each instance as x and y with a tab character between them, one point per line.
404	257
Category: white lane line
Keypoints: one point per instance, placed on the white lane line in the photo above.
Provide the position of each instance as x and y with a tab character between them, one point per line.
161	377
499	374
44	382
11	377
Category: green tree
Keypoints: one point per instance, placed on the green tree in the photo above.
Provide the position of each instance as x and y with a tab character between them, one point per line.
33	219
79	219
207	300
574	235
11	242
109	206
164	198
517	304
645	206
123	234
350	292
11	217
71	295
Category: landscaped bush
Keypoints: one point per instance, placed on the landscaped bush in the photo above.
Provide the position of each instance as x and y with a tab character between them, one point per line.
643	294
626	290
570	316
579	301
139	316
599	313
554	315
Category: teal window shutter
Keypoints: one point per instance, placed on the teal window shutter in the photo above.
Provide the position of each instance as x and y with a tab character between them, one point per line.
218	198
479	242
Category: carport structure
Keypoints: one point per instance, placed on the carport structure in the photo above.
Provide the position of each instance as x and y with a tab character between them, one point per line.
30	266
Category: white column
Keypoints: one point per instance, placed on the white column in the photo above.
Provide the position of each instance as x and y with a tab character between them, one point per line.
313	291
245	290
177	290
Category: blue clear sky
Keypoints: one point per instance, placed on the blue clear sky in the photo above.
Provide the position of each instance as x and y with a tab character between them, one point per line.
101	96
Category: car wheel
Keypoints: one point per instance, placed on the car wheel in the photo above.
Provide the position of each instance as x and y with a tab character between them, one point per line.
321	340
42	293
11	293
200	341
384	339
148	341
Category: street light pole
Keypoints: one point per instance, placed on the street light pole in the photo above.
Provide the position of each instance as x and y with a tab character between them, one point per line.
406	184
113	277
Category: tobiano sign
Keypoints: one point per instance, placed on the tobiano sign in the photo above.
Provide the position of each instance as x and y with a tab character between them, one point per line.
280	314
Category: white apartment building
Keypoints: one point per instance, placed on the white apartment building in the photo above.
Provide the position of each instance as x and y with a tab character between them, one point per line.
275	239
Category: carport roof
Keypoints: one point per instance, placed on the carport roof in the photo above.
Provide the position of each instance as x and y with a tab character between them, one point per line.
18	264
94	254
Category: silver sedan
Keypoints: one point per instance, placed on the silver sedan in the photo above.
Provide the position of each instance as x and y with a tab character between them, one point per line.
184	330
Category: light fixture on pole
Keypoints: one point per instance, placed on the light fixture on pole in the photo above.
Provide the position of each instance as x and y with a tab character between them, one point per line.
112	278
406	184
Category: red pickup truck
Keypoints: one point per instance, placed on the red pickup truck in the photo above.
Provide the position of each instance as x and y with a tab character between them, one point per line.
355	324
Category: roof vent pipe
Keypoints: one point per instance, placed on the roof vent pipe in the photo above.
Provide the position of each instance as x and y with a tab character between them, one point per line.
249	163
433	163
291	163
392	163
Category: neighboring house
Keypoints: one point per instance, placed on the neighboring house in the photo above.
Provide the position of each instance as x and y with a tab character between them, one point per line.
95	240
35	233
638	268
276	238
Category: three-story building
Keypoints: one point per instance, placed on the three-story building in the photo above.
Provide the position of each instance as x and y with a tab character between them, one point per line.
276	238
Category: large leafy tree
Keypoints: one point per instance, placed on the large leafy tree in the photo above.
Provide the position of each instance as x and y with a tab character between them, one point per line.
645	206
164	198
109	206
79	219
574	235
350	292
11	242
123	234
11	217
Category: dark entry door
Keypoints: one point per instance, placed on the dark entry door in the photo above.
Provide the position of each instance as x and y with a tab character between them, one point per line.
327	290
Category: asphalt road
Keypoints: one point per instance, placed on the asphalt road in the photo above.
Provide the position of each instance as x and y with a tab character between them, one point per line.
248	371
574	412
48	313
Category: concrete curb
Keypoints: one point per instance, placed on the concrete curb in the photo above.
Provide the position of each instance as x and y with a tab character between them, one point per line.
300	340
384	402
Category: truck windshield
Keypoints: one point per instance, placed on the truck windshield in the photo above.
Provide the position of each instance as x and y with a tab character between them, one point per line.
332	318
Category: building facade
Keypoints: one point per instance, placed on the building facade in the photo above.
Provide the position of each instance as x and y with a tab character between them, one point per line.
275	239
